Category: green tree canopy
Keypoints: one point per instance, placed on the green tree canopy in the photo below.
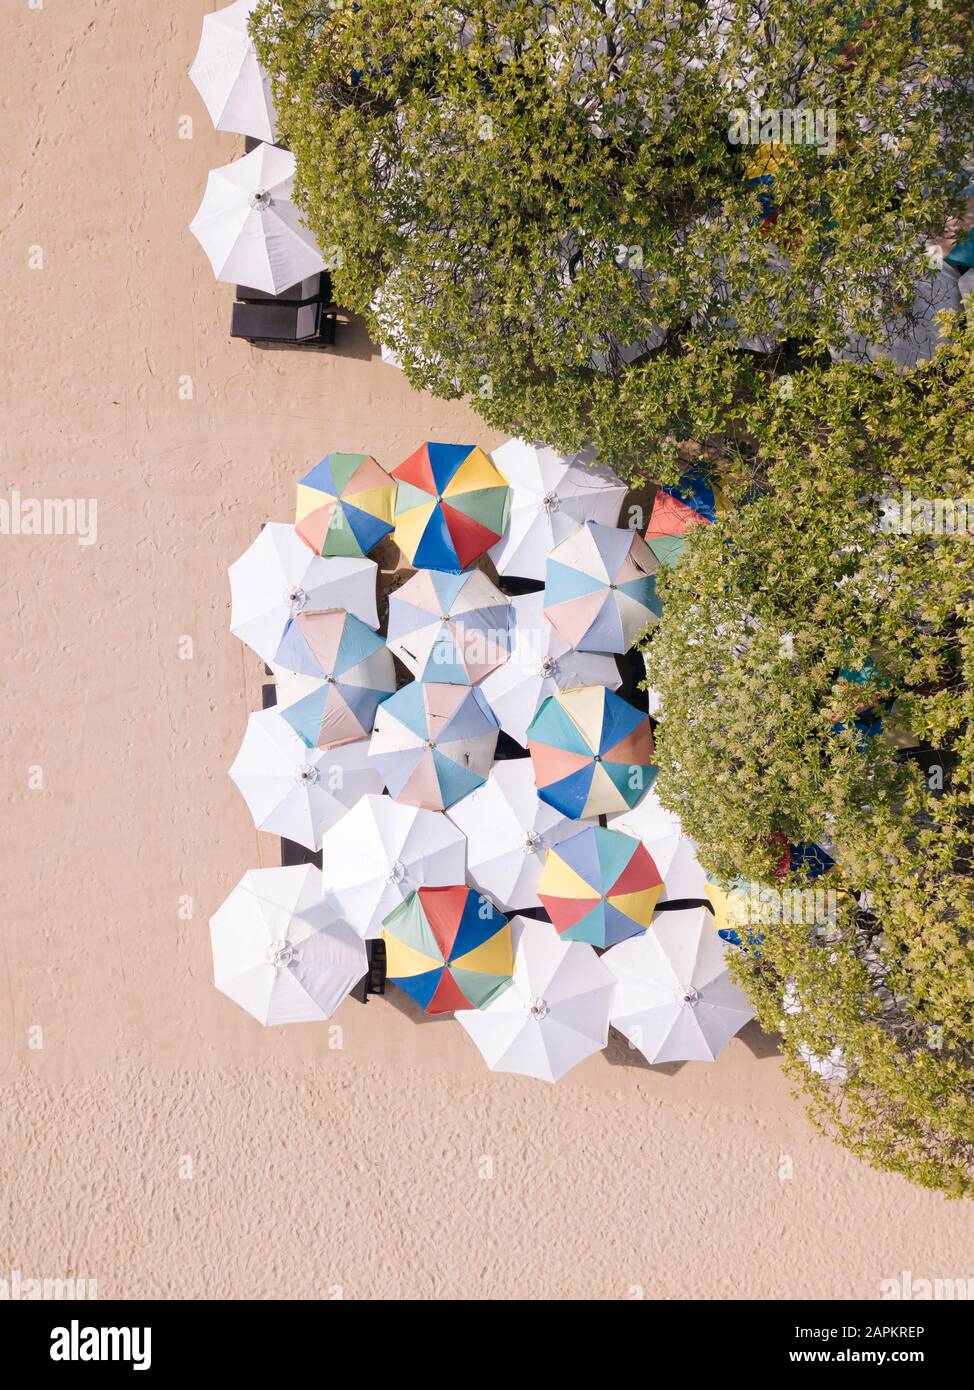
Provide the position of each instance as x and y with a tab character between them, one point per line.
842	595
536	191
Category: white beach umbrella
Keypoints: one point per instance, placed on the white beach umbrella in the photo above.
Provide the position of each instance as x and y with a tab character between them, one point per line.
249	227
675	1001
555	1012
674	854
296	791
509	830
551	495
235	88
541	662
279	952
278	577
379	853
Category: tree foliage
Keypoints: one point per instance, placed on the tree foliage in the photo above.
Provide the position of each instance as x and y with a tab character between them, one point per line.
789	627
545	203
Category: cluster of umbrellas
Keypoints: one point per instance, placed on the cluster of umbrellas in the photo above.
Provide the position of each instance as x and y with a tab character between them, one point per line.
247	222
539	898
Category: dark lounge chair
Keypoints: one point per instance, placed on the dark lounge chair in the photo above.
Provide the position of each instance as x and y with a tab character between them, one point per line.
298	325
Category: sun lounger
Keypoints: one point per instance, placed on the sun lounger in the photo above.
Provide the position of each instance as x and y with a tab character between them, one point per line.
298	325
314	288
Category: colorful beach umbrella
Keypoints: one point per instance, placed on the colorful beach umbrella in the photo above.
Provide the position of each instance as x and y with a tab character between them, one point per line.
277	578
599	886
509	830
675	1000
554	1013
356	672
448	948
378	853
673	853
434	743
454	628
250	229
235	88
296	791
345	505
693	501
599	588
540	664
551	495
451	506
592	752
280	952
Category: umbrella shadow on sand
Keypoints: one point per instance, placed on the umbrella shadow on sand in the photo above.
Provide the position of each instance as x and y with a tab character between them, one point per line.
619	1052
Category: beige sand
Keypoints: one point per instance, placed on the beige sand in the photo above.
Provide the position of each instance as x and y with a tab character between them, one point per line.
159	1141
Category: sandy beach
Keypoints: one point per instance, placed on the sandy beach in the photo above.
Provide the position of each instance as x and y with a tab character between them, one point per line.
154	1137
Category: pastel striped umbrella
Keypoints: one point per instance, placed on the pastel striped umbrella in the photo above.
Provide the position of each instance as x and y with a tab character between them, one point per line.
356	672
693	501
434	743
448	948
599	588
592	752
345	505
451	506
454	628
599	886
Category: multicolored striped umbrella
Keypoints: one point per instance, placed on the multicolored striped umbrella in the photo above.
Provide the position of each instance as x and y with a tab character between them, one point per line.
592	752
599	886
356	670
434	743
599	590
448	948
451	506
454	628
345	505
693	501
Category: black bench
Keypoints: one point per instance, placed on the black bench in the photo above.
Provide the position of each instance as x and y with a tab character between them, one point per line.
297	325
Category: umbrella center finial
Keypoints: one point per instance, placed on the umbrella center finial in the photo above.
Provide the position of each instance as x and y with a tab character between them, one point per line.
539	1008
429	743
532	841
280	953
598	757
550	502
397	871
613	586
297	598
306	773
549	667
261	200
691	997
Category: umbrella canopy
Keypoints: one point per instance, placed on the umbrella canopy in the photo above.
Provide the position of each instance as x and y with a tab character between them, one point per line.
694	501
279	952
551	494
555	1012
599	588
592	752
355	669
674	854
675	1000
509	830
345	505
540	664
236	91
250	229
277	578
434	743
451	506
448	948
600	886
453	628
381	851
296	791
